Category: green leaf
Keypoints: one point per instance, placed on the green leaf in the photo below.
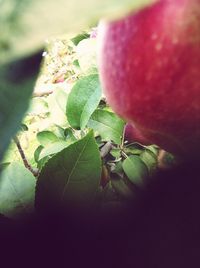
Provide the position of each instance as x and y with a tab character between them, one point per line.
78	38
53	148
37	153
108	125
4	165
69	135
136	170
24	127
17	81
61	99
117	168
150	159
86	53
83	100
153	148
133	149
42	162
17	190
57	102
71	176
46	137
24	25
116	152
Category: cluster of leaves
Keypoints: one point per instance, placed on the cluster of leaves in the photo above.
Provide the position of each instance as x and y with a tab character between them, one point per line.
76	147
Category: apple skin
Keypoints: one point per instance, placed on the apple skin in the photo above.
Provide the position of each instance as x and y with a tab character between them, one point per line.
149	64
132	134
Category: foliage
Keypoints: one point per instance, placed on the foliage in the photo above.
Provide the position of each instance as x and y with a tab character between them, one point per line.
25	25
17	189
71	143
70	176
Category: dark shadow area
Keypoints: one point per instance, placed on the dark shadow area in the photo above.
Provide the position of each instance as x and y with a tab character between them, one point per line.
20	70
160	229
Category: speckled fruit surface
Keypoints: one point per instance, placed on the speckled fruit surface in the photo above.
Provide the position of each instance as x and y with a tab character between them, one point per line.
149	65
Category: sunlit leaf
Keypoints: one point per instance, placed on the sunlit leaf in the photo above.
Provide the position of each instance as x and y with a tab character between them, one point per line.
107	124
57	105
46	137
86	53
83	100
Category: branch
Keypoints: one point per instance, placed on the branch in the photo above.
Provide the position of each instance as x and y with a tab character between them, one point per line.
42	93
106	149
23	157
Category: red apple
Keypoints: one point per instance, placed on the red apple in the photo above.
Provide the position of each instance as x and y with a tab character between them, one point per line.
149	65
132	134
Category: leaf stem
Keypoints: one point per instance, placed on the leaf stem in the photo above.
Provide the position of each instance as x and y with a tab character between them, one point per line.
23	157
123	137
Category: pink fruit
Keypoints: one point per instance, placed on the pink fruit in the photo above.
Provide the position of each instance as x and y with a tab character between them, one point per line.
149	66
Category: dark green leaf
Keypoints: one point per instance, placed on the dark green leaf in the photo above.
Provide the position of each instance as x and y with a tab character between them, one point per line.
117	167
83	100
69	134
150	159
17	81
133	149
24	127
17	189
136	170
122	188
73	175
108	125
4	165
42	162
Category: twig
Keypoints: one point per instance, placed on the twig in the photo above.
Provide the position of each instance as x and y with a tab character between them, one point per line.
42	93
123	154
106	149
23	157
123	137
